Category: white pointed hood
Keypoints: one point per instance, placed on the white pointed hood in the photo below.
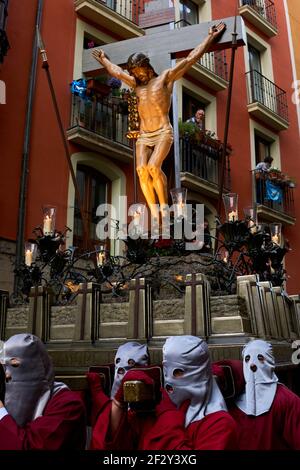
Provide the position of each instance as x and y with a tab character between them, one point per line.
188	376
128	355
261	380
31	381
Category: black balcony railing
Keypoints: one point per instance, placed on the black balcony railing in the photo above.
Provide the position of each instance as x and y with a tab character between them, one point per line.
274	193
107	117
262	90
265	8
130	9
203	159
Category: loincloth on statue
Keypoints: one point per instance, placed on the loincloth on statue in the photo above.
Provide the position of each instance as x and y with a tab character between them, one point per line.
153	138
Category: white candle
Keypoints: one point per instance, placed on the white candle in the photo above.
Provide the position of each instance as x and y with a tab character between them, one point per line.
252	226
275	239
100	259
47	225
28	257
180	207
136	218
272	270
232	216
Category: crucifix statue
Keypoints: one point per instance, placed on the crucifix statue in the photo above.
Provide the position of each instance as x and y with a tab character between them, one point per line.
154	94
153	84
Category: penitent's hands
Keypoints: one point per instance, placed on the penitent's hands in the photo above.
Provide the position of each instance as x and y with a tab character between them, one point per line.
99	55
94	382
217	30
132	375
1	404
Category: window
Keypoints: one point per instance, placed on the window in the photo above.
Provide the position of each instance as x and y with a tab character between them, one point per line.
256	77
254	58
262	148
89	41
190	106
95	189
188	13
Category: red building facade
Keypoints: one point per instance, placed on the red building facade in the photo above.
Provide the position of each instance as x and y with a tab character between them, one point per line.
263	116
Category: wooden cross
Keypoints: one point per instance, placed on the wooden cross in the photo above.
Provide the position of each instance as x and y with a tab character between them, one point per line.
162	47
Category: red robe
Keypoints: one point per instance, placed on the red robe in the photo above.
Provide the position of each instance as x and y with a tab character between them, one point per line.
278	429
61	427
217	431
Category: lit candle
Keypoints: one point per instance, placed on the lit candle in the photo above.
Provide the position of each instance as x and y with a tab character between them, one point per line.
28	257
232	216
180	207
252	226
47	225
136	218
272	270
100	259
275	239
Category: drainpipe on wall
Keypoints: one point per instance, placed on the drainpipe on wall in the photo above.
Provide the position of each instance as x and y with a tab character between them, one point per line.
26	145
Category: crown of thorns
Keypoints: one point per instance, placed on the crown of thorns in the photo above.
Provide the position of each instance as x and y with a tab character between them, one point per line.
138	59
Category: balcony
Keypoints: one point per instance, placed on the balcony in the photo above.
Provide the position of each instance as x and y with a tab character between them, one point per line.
266	101
118	16
274	197
200	165
262	14
211	69
101	126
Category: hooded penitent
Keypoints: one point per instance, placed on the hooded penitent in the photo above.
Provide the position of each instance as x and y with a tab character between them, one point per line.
188	376
128	355
30	375
261	380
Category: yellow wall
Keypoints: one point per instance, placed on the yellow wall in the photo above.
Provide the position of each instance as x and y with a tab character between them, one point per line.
294	14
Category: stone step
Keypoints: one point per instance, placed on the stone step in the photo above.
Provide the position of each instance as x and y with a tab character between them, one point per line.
168	309
229	299
228	306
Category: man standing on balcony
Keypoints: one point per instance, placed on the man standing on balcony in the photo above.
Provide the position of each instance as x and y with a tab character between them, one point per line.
154	94
198	119
265	165
262	183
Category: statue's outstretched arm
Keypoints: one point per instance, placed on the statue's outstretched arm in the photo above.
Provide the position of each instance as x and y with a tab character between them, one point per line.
184	65
113	69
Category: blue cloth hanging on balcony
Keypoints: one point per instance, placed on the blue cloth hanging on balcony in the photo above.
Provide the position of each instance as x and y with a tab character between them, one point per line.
273	192
78	87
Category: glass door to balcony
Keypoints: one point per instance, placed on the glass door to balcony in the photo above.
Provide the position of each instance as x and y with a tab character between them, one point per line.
188	13
95	189
256	77
262	148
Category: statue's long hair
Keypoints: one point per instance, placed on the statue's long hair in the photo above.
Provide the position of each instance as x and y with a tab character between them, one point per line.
139	59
